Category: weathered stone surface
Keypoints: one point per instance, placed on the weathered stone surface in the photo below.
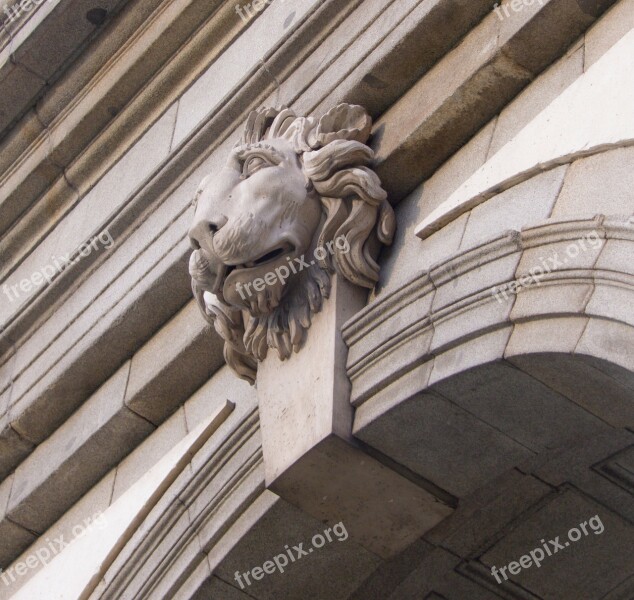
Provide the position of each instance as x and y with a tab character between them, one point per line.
13	447
585	385
536	97
537	147
529	202
189	354
84	449
79	517
438	578
391	573
598	184
240	58
426	32
144	456
14	537
215	587
581	567
454	106
44	403
519	406
343	562
443	443
485	514
607	31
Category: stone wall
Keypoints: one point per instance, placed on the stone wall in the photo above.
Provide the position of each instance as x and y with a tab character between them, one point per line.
514	416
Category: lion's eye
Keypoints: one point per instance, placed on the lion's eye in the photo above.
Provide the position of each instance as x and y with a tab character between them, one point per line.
253	164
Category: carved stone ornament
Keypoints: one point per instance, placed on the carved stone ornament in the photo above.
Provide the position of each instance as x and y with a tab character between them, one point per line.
295	202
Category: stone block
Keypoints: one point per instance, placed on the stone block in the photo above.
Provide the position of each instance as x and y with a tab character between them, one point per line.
222	386
391	573
599	184
331	572
557	334
239	59
47	49
483	515
528	202
616	256
610	341
457	169
345	48
74	369
72	460
477	270
443	443
543	297
585	385
114	188
481	350
13	447
461	322
229	520
19	139
14	537
409	307
388	396
582	568
214	587
142	458
519	406
438	577
32	227
608	30
85	513
173	364
20	86
195	583
459	100
555	23
536	97
388	387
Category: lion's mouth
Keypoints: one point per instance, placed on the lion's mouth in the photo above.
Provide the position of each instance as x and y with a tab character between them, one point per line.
268	257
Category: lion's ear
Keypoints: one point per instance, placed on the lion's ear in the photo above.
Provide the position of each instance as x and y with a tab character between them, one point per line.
344	122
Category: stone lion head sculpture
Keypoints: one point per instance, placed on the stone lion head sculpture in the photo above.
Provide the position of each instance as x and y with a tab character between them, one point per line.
295	202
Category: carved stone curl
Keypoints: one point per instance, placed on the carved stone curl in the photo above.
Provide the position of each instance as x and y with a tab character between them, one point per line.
295	202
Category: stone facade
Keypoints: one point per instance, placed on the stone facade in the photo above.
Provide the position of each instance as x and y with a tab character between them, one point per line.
460	426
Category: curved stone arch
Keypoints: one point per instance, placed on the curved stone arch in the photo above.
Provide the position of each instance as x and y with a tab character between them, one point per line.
167	556
444	341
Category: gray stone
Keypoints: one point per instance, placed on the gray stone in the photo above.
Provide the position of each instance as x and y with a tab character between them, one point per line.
536	97
248	270
581	568
71	461
607	31
598	184
329	573
14	537
519	406
189	354
215	587
529	202
584	384
443	443
13	447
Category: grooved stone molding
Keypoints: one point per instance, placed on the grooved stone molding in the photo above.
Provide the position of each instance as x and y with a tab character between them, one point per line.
90	556
517	373
295	202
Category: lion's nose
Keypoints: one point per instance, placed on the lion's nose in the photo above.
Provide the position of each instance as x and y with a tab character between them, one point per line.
202	232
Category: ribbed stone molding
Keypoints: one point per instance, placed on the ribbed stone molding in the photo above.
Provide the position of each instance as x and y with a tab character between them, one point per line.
444	337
